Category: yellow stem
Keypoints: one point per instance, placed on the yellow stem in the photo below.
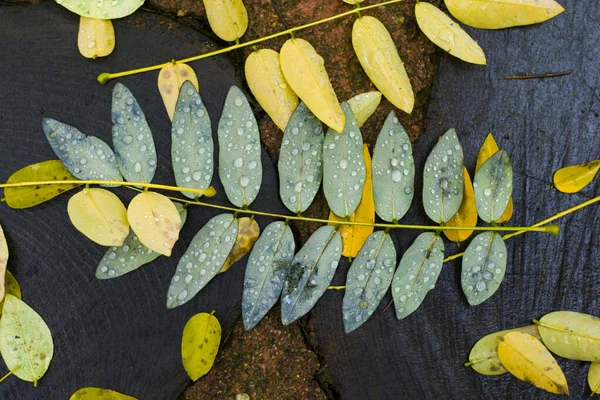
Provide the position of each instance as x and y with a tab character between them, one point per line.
336	287
12	371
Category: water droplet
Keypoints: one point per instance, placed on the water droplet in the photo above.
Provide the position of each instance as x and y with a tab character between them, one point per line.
343	164
252	165
480	287
127	139
244	181
487	191
238	162
396	176
239	101
298	187
394	161
137	167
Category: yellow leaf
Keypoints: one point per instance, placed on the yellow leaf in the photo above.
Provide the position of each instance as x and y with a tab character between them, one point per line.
353	1
30	196
364	105
227	18
155	220
508	212
92	393
525	357
378	56
594	378
354	236
498	14
3	263
99	215
96	37
574	178
304	70
466	214
11	286
200	344
447	34
248	233
269	87
170	79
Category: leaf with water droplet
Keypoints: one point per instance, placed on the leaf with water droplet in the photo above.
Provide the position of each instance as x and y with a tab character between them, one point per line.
30	196
3	262
574	178
417	273
594	378
118	261
443	179
393	171
240	167
488	149
300	163
343	167
96	37
311	272
571	335
369	278
304	70
200	344
86	157
132	138
493	186
100	215
269	87
170	80
354	236
500	14
203	259
191	142
248	232
483	267
447	34
364	105
25	340
377	53
526	358
93	393
227	19
266	269
112	9
466	214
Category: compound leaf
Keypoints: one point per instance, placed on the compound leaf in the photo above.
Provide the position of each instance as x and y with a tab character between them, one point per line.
493	185
200	344
248	233
170	79
96	37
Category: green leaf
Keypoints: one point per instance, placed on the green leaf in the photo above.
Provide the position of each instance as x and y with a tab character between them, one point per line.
93	393
203	259
417	273
240	167
393	171
86	157
368	280
571	335
132	138
191	142
310	274
121	260
200	344
102	10
25	340
493	185
344	167
300	160
483	267
269	260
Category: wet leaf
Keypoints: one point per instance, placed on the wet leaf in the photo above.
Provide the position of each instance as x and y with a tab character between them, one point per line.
240	167
227	18
484	354
594	378
3	263
92	393
100	215
170	79
447	34
493	186
269	87
25	340
269	260
483	267
96	37
248	232
101	10
571	335
364	105
574	178
304	70
376	52
310	273
30	196
200	344
203	259
300	163
354	236
417	273
118	261
343	167
132	138
393	171
369	278
443	177
526	358
86	157
466	214
191	142
499	14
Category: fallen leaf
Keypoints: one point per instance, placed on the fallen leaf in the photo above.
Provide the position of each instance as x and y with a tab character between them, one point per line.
170	79
493	185
227	18
364	105
3	263
248	233
571	335
200	344
102	10
594	378
96	37
92	393
466	214
574	178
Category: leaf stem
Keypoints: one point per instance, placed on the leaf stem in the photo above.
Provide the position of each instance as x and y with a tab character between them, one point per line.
12	371
336	287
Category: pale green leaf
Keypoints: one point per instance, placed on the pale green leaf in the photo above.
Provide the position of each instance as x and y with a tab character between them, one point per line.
493	186
571	335
200	344
93	393
102	9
